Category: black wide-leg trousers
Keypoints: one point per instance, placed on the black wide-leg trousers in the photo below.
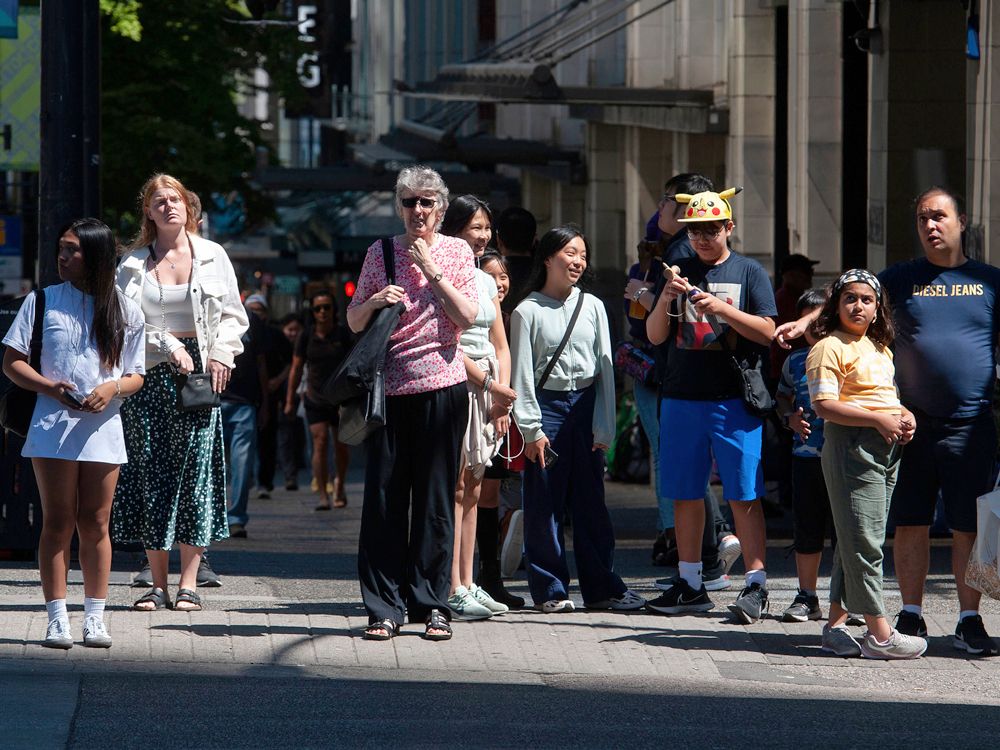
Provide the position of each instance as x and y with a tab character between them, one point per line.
408	519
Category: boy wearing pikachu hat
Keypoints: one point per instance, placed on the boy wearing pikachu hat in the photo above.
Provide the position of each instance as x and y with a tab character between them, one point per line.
710	308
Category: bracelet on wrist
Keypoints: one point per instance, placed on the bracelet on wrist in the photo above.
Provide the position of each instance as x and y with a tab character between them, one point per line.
118	388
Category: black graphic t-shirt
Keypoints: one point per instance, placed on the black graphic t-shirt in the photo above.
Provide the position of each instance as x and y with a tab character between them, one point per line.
698	368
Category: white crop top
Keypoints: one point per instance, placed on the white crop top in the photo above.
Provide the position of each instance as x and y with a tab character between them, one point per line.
176	305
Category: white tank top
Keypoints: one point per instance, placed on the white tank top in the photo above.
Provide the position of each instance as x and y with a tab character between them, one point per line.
176	305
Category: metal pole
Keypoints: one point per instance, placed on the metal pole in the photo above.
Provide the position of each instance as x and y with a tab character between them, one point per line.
69	179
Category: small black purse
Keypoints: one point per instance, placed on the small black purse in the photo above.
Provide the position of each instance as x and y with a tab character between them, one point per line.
194	391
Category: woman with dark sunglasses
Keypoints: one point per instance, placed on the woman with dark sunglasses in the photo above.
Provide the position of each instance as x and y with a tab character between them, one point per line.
408	520
319	351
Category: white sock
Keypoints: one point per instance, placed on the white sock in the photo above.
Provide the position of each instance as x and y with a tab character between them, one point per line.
756	576
915	609
57	609
690	572
967	613
93	607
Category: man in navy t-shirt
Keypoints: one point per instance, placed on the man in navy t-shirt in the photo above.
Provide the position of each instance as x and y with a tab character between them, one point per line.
719	296
945	308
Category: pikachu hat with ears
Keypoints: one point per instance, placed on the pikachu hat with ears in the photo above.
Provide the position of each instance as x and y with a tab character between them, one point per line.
707	206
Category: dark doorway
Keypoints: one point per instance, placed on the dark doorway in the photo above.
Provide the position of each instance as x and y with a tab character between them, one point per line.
854	154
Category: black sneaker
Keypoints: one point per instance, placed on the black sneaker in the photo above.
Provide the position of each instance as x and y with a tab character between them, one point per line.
750	605
971	636
681	598
804	607
665	551
206	576
143	579
908	623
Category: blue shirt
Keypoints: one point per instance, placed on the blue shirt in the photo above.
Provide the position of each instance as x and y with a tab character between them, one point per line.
793	384
947	323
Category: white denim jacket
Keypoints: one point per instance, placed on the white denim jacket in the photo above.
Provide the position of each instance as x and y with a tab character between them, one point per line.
219	316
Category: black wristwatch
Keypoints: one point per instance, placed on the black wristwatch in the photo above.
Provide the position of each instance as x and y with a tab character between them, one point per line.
437	276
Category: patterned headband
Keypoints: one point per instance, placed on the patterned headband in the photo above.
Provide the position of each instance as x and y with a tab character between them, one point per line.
861	275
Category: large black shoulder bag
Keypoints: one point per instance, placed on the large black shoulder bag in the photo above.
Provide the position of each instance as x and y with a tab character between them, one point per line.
358	385
17	404
756	398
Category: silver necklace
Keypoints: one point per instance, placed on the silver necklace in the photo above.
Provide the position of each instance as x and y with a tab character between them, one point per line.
157	262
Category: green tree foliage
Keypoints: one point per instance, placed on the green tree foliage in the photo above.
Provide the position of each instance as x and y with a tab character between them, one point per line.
171	72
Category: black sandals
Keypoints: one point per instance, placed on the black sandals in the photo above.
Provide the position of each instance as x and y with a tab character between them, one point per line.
189	598
156	596
381	630
437	621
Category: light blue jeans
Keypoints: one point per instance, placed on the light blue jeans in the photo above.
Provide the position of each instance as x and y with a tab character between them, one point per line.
239	431
647	404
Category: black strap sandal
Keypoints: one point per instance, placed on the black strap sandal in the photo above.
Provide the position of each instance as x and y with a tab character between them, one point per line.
437	621
157	596
381	630
189	597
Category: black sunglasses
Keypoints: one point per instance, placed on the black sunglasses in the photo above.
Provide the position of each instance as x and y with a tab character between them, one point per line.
412	202
317	308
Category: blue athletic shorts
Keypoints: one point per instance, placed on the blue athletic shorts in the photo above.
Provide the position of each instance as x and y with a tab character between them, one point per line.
691	432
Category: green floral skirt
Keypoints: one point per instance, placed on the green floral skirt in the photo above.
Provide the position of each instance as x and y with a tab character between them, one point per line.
173	488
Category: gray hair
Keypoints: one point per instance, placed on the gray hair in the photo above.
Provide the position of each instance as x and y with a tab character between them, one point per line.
419	178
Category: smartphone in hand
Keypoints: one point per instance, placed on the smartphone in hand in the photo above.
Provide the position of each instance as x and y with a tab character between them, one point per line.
75	398
550	456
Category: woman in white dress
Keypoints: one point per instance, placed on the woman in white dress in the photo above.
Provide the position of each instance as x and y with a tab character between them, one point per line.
92	357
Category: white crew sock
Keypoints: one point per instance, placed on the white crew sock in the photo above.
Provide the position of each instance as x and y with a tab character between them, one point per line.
57	609
93	607
756	576
690	572
915	609
967	613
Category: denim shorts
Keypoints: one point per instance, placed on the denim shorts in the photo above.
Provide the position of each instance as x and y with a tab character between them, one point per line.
692	432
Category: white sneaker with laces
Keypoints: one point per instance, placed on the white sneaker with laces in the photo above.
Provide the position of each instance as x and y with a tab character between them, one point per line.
898	646
95	633
627	602
58	634
554	606
480	595
730	550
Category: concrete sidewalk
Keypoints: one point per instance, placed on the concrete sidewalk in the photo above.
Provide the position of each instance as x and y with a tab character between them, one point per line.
289	618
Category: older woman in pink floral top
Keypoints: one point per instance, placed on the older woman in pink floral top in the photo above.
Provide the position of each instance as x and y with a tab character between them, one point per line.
412	468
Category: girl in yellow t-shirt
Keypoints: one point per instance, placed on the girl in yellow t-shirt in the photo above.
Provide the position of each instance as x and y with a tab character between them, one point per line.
850	377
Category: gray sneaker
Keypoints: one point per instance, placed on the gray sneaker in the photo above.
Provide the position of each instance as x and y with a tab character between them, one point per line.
839	641
899	647
464	606
802	609
95	633
750	605
58	635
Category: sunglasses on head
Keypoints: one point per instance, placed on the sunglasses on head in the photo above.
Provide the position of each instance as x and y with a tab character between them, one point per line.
318	308
412	202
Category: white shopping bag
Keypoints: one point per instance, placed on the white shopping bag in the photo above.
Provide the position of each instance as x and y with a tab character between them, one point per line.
983	572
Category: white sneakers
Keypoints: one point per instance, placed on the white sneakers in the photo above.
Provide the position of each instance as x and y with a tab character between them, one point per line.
629	601
555	606
95	633
480	595
58	634
463	606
